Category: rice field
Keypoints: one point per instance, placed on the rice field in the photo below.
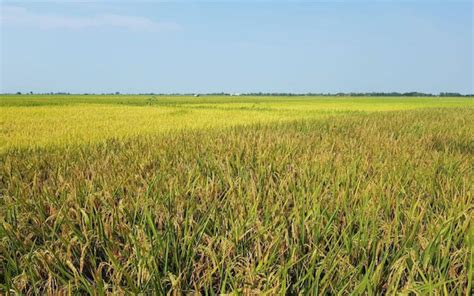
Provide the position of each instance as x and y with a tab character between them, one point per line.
41	121
236	195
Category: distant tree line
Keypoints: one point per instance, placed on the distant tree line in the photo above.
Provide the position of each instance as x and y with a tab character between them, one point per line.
366	94
342	94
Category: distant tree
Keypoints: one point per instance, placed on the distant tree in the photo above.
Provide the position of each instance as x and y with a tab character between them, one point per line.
18	92
450	94
117	92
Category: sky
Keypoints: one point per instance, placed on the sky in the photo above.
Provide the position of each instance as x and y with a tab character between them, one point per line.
240	46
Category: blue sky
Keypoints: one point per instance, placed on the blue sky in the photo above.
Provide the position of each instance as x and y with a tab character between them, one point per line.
243	46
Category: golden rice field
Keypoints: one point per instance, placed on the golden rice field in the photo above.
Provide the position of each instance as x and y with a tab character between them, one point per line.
236	195
32	121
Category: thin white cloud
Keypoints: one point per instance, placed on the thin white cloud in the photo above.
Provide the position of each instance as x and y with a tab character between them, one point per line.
21	17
